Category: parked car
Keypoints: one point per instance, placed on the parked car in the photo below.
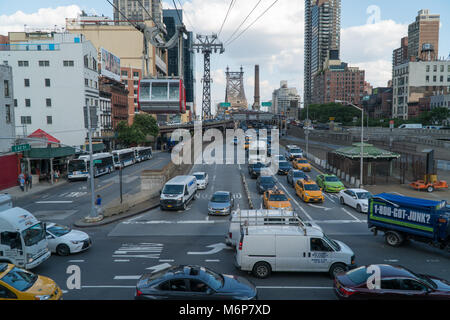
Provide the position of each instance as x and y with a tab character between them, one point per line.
193	283
396	283
356	198
264	183
284	167
329	183
202	180
64	241
221	203
294	175
20	284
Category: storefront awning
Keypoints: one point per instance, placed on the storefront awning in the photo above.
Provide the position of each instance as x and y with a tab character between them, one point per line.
41	134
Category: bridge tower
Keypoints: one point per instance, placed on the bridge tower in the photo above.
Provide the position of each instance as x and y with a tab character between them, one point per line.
235	93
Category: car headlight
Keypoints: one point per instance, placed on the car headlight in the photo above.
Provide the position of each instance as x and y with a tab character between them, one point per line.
42	297
307	194
76	242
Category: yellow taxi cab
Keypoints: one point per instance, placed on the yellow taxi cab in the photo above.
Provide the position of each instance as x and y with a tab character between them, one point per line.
276	199
309	191
20	284
247	141
301	164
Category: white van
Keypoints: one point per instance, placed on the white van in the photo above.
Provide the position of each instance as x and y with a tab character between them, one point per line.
178	192
240	217
23	241
264	249
410	126
5	202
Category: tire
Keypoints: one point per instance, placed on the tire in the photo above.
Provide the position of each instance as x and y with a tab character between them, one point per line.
184	206
62	250
430	189
336	269
342	201
261	270
358	208
394	239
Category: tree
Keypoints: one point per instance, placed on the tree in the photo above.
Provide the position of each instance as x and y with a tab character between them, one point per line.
147	124
440	114
323	112
129	135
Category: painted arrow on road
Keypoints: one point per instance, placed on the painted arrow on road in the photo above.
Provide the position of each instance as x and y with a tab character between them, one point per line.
159	267
318	207
215	249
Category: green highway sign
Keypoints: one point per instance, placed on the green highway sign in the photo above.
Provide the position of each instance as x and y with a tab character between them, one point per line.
97	161
20	148
225	104
266	104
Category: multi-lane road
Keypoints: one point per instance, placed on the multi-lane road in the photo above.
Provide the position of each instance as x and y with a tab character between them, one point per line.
123	251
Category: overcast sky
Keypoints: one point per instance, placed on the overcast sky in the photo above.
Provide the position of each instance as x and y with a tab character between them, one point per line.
370	31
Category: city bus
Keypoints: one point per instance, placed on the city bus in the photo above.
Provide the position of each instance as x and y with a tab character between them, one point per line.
143	153
124	158
78	169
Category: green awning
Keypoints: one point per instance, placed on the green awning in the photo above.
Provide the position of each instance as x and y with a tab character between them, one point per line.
95	147
48	153
369	152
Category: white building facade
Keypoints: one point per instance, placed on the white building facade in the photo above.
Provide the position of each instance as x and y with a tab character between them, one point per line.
286	101
419	79
53	80
7	125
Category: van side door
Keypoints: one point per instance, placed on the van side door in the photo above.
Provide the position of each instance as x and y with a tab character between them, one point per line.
320	255
290	253
12	247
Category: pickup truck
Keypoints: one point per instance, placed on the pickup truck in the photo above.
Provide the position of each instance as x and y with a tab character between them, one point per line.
402	218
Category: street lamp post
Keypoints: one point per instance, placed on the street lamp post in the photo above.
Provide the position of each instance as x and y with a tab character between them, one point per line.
362	138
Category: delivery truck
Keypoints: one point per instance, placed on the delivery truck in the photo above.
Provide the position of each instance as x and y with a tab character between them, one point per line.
402	218
23	239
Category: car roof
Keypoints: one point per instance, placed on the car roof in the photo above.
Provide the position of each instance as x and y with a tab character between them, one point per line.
180	271
283	230
308	181
222	193
388	270
357	190
198	173
180	180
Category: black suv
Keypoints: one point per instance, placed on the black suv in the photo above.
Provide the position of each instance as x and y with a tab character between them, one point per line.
254	169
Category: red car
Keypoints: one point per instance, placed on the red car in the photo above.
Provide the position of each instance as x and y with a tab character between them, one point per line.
396	283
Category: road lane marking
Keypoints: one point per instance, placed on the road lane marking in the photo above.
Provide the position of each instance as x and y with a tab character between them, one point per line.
104	187
121	260
391	260
76	261
334	221
212	260
127	277
291	287
293	199
345	210
112	287
53	202
166	260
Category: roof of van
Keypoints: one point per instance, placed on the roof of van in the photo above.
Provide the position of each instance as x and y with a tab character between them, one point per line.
284	230
180	180
263	213
18	217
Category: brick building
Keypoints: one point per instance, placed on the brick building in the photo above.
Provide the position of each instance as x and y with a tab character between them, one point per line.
119	99
379	104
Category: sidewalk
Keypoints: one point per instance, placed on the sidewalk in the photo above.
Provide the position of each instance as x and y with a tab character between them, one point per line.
407	191
16	193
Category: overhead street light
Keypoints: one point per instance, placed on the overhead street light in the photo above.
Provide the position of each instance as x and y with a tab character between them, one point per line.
362	137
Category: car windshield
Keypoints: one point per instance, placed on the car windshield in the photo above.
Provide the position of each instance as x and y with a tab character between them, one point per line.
58	231
259	165
215	280
220	198
302	161
359	275
20	279
331	179
299	174
296	150
333	243
284	164
77	165
173	189
34	234
116	158
267	180
199	176
364	195
278	197
311	187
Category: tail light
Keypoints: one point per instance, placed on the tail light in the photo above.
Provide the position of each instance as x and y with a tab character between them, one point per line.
138	293
240	245
230	234
346	292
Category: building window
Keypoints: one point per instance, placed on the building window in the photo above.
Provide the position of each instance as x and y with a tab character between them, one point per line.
22	63
68	63
44	63
27	82
8	113
27	102
15	102
5	62
434	78
90	82
49	120
48	102
95	84
441	78
136	82
124	73
428	68
86	61
47	82
435	68
442	68
135	91
6	84
25	120
448	78
135	74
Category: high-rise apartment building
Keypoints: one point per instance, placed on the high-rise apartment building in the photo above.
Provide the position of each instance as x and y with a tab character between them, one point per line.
424	31
133	10
322	34
400	55
286	101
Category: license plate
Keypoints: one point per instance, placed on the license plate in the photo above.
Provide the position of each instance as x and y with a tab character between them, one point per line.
169	206
218	211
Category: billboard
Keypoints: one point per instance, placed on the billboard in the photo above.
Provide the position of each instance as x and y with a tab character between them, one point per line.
110	65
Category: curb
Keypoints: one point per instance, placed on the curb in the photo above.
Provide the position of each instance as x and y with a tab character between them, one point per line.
249	199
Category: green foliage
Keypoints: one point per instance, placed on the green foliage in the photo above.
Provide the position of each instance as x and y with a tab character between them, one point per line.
322	112
136	134
147	124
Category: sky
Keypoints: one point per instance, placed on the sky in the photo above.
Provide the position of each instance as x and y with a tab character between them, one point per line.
370	30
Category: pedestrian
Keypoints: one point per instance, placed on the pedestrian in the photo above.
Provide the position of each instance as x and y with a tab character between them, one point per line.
26	181
98	204
56	175
22	183
29	180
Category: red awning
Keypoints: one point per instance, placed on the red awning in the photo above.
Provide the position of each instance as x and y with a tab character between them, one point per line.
39	133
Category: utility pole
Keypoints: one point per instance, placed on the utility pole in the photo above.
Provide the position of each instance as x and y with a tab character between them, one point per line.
206	45
94	212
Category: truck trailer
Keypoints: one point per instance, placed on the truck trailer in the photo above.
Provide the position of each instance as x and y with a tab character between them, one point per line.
402	218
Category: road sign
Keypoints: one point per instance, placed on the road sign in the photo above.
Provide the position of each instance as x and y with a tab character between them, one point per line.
266	104
97	161
20	148
332	118
225	104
